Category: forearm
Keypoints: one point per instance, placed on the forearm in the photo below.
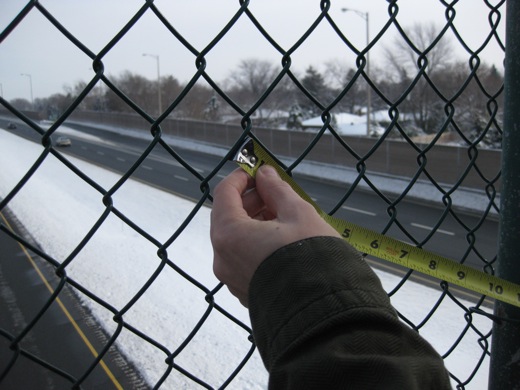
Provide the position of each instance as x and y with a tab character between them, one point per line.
322	320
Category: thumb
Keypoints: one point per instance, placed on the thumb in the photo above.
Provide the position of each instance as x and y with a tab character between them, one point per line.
277	195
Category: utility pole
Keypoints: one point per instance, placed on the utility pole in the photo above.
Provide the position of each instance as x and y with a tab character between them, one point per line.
30	85
366	17
158	80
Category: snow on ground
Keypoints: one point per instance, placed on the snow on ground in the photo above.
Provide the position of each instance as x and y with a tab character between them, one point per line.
58	209
346	124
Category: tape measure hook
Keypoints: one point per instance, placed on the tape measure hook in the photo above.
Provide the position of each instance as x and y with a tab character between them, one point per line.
246	154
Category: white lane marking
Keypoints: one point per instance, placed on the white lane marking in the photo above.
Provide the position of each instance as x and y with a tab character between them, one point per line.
181	178
121	159
170	161
134	152
147	167
359	211
418	225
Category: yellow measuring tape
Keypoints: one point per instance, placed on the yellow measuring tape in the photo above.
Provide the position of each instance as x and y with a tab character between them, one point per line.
251	156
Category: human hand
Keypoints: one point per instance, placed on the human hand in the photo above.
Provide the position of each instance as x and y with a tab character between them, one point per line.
251	220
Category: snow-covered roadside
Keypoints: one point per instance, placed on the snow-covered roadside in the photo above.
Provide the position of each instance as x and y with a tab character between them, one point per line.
58	209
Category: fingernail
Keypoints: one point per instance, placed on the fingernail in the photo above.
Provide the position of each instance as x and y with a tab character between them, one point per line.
268	170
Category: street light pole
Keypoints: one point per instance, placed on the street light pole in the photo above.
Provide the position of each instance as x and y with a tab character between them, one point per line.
158	80
365	16
30	85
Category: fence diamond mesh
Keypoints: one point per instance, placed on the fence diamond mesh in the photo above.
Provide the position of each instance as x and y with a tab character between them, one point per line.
105	243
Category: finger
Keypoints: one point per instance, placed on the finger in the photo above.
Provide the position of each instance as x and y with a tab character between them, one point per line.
227	196
252	202
279	197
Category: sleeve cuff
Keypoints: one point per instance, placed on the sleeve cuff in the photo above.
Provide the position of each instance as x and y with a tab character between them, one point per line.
305	283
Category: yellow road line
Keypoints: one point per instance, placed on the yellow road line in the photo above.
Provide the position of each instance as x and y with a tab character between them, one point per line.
66	312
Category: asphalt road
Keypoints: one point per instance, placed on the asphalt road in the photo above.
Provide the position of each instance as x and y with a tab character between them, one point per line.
65	338
119	152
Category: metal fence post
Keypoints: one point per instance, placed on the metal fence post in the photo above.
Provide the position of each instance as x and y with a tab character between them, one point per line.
505	347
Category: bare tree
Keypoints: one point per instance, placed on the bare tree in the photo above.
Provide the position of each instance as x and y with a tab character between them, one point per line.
194	104
403	57
338	75
477	100
22	104
420	61
252	78
137	88
249	82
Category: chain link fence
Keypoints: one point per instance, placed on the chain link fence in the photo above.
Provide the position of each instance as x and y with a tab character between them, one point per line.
193	335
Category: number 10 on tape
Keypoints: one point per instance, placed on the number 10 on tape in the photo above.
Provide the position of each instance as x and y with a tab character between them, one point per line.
251	156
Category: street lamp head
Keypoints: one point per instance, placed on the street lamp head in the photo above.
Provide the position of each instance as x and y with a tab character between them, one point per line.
364	15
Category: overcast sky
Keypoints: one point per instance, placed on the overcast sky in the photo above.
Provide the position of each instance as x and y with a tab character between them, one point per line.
38	49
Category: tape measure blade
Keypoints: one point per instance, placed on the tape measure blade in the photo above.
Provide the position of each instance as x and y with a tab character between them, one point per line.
399	252
424	261
265	158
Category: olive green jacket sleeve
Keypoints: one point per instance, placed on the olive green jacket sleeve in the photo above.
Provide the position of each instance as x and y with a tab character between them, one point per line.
321	320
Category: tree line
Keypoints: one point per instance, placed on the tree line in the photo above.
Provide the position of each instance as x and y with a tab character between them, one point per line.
425	91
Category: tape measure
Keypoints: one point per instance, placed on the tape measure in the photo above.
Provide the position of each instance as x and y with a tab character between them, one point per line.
252	155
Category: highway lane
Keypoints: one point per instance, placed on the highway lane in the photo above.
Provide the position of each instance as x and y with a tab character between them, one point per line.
371	211
364	208
119	152
64	337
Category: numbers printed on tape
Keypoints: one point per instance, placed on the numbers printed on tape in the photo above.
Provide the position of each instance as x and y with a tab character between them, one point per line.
251	156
